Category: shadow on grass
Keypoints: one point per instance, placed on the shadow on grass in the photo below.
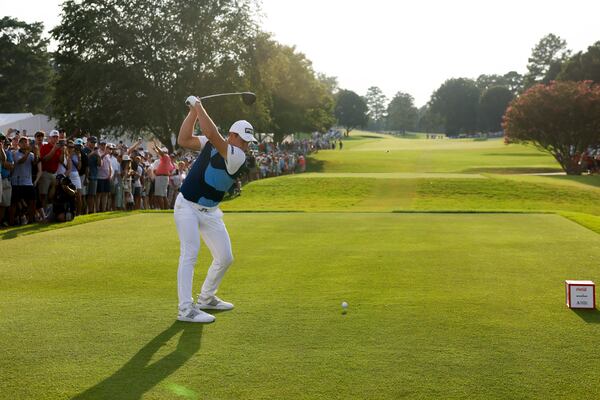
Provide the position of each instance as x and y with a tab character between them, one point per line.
517	154
589	316
313	165
590	180
14	232
138	376
512	170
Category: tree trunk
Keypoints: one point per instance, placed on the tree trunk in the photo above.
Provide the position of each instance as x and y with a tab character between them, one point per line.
572	167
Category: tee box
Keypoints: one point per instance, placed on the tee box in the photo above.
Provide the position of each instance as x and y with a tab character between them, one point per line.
580	294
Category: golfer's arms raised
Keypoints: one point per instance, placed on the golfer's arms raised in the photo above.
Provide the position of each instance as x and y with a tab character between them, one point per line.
209	129
186	136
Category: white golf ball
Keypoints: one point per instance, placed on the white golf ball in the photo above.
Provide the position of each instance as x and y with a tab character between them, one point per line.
344	305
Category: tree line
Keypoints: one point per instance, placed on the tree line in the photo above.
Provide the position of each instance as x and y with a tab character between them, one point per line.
123	67
463	105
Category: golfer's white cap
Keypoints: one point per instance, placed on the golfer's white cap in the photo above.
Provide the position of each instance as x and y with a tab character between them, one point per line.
244	129
53	133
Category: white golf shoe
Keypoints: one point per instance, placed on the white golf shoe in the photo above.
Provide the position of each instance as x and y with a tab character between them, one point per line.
215	304
193	314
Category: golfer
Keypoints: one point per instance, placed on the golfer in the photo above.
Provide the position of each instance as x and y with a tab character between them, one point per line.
197	212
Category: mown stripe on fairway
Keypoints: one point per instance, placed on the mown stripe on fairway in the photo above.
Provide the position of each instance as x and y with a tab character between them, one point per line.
387	175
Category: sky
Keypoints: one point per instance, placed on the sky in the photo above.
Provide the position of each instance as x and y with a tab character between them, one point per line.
409	46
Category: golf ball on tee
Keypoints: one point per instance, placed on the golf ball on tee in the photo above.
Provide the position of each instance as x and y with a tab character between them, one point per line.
344	305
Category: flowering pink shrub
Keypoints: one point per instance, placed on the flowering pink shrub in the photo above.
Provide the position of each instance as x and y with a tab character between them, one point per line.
562	118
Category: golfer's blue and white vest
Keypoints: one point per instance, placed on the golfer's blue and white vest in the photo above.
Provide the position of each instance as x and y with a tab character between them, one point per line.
208	179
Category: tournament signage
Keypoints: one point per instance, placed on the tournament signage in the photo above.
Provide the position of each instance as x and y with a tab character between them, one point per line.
580	294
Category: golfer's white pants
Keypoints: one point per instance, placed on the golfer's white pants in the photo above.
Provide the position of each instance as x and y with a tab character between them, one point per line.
192	223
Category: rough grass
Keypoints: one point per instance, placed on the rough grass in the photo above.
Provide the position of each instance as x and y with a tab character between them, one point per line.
441	306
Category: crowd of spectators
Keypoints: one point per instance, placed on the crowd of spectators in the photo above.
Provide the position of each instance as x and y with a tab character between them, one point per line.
589	160
55	176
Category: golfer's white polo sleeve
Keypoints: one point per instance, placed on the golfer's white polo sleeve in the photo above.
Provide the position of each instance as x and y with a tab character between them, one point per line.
203	141
235	159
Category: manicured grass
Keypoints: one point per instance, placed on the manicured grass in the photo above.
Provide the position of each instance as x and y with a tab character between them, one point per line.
465	305
441	306
384	153
316	193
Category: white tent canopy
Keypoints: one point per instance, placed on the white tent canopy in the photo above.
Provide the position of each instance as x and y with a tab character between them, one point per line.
27	121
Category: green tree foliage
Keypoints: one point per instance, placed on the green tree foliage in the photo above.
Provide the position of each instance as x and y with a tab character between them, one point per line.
492	106
127	65
376	102
511	80
429	121
562	118
546	60
401	113
514	82
457	102
296	99
330	82
583	66
350	110
25	67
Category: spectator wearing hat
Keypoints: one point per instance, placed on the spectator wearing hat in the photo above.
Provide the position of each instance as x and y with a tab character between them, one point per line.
50	154
22	185
104	173
161	177
92	173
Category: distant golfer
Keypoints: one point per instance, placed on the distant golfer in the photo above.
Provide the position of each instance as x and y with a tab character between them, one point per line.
197	212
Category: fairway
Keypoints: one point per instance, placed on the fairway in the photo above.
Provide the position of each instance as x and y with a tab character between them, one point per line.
370	152
456	306
453	274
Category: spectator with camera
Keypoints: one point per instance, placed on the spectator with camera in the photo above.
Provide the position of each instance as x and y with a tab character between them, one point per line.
74	166
50	154
63	206
23	195
163	170
104	173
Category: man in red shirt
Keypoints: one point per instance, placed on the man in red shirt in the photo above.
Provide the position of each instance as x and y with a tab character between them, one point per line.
50	154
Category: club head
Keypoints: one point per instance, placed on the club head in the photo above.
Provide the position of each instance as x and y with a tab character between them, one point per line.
248	98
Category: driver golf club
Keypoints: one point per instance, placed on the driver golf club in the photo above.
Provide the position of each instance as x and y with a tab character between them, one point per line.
247	97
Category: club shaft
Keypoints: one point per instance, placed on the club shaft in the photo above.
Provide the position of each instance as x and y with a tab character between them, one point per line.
219	95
